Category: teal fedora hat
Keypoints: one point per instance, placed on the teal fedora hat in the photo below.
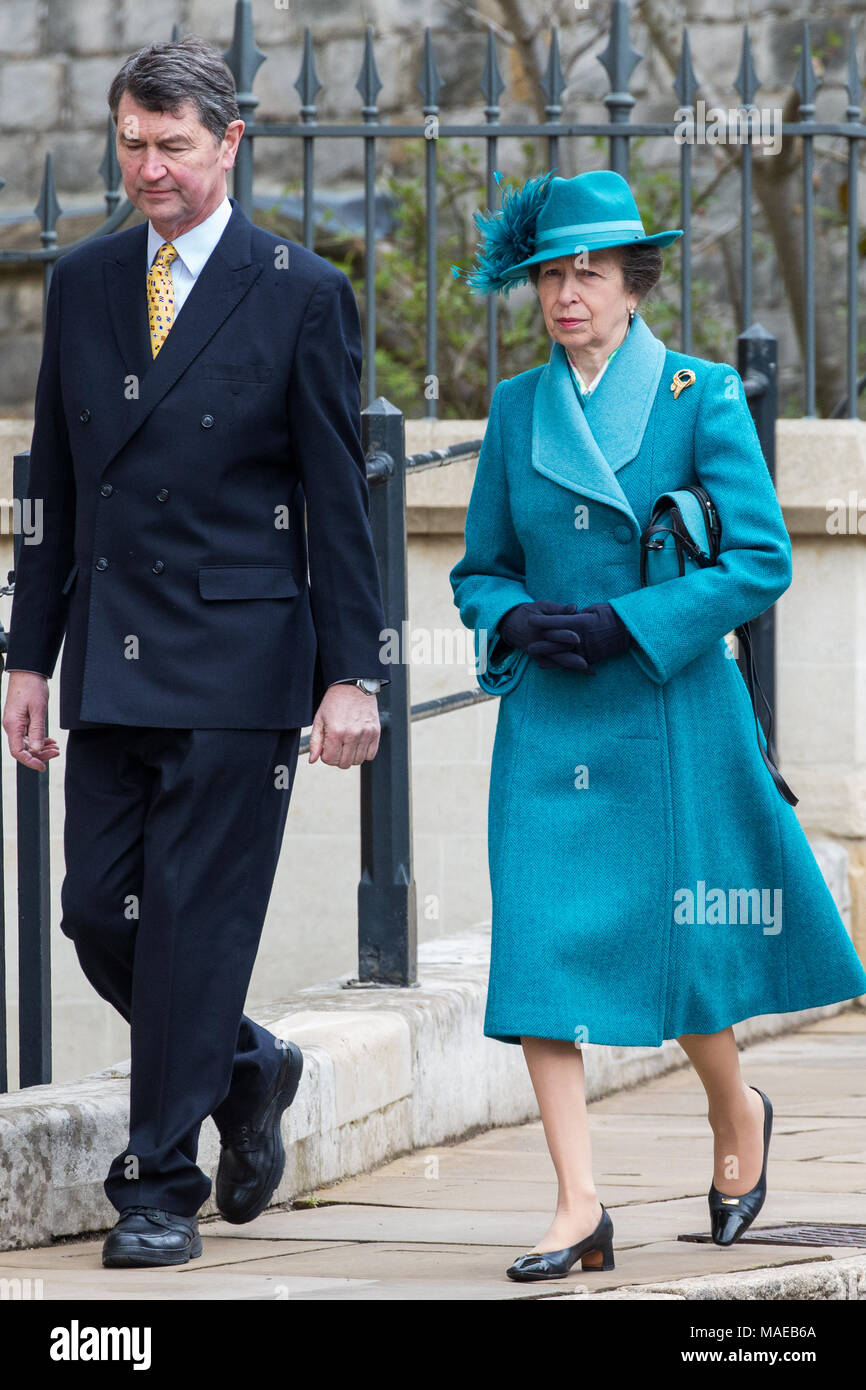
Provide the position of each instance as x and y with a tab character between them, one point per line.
551	216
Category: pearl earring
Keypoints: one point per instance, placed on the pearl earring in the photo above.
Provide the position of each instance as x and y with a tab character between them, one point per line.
631	315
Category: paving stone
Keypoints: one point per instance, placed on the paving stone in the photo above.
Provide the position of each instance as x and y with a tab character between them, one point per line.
379	1223
87	1254
641	1223
483	1191
121	1285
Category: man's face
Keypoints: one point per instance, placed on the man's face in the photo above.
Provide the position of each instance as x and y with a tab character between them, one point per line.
174	170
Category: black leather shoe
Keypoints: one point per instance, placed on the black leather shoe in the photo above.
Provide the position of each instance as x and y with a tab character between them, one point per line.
252	1156
731	1216
149	1236
595	1252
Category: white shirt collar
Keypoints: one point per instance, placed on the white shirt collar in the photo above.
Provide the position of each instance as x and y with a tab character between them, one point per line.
195	246
588	387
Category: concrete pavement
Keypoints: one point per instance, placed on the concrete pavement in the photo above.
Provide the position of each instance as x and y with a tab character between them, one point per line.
443	1223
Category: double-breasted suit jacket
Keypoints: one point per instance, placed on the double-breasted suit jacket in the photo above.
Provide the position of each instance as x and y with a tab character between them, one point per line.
176	492
648	879
207	563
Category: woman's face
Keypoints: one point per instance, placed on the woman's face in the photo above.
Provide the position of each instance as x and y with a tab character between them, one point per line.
584	299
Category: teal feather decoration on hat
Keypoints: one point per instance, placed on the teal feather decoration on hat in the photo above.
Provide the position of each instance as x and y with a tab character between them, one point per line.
507	236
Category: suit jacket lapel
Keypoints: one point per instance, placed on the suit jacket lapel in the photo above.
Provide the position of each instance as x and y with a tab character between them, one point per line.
583	447
227	275
124	280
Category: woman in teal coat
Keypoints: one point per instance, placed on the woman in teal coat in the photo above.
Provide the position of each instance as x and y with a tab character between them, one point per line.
648	880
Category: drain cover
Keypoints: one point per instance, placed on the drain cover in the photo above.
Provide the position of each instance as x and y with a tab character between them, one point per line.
794	1233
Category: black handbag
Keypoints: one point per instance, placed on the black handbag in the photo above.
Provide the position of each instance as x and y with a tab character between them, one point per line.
685	528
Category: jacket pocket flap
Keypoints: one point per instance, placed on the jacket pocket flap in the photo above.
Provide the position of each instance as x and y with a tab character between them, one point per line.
70	580
237	371
246	581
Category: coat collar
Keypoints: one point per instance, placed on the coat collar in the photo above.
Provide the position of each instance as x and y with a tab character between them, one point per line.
583	447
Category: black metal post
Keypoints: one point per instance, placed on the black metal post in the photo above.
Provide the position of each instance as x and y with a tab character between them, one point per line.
34	884
369	85
244	58
756	363
618	61
387	912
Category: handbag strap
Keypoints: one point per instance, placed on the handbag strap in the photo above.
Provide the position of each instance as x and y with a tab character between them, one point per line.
685	544
744	635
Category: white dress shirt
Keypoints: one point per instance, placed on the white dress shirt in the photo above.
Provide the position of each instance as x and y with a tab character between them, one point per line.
193	249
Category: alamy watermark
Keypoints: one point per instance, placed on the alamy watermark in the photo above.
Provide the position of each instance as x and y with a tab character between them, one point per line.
738	125
719	907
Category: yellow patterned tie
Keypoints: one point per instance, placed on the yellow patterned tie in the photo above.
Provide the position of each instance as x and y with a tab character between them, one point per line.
160	296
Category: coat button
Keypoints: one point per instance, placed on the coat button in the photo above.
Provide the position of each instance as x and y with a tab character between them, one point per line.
162	495
158	566
207	421
106	489
102	563
622	533
84	416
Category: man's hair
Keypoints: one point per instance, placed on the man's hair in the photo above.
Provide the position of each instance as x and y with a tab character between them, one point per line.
162	76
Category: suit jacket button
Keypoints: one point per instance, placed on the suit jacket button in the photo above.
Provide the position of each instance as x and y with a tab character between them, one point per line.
622	533
106	489
162	495
84	416
158	566
207	421
102	563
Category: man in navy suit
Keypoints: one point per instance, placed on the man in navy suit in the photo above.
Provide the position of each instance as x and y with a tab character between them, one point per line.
207	555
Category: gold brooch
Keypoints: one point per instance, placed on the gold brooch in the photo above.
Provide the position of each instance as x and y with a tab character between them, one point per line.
683	378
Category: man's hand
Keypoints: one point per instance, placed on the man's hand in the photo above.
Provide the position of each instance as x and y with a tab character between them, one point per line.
346	728
24	720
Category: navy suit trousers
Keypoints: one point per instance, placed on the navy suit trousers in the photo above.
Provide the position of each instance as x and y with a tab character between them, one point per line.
171	839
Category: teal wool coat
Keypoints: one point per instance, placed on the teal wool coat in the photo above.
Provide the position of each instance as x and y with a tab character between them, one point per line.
647	878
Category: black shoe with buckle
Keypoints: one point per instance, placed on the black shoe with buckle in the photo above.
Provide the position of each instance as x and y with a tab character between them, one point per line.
146	1236
252	1156
595	1251
731	1216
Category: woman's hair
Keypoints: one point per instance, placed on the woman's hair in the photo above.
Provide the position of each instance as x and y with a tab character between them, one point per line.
641	267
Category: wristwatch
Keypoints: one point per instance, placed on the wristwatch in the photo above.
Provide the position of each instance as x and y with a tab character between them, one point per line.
369	684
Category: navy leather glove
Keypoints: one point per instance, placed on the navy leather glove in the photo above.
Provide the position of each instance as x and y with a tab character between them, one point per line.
519	627
596	633
516	626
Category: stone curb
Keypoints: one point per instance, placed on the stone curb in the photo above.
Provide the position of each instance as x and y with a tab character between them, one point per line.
807	1281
